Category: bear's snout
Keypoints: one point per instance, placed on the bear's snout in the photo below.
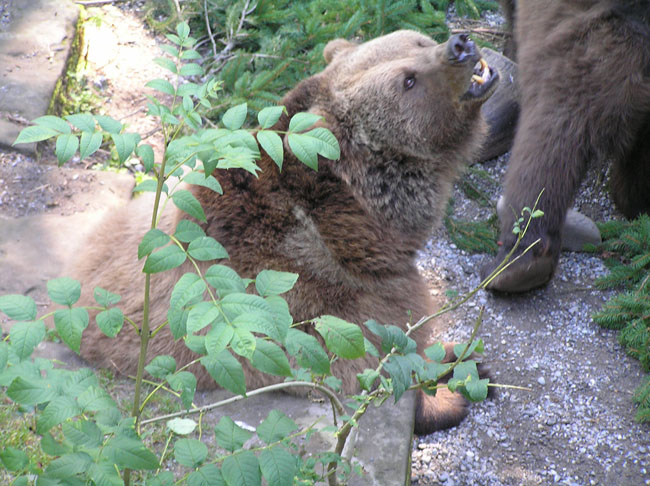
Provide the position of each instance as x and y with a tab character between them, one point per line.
461	48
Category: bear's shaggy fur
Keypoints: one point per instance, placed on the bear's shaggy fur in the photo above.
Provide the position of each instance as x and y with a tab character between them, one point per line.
407	117
584	75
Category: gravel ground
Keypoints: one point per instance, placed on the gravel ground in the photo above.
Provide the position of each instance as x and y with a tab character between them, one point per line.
576	424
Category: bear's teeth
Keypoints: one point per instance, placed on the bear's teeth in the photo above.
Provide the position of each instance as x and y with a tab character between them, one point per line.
477	79
482	72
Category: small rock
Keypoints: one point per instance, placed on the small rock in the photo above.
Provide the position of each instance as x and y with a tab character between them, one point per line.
541	381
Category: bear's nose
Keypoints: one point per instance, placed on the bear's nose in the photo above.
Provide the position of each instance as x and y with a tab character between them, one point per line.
460	47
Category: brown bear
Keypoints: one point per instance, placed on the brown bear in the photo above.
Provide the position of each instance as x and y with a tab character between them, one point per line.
406	113
584	76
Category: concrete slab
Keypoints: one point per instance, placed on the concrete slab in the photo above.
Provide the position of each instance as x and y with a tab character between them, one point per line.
35	39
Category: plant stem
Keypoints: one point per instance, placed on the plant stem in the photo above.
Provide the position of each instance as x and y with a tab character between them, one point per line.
278	386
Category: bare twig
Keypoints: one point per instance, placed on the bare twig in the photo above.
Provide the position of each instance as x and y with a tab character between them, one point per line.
482	30
93	3
207	25
337	405
225	55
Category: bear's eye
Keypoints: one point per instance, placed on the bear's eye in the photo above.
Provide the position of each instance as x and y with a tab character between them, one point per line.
409	82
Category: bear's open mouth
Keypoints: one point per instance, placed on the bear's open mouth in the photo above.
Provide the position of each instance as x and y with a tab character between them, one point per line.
483	78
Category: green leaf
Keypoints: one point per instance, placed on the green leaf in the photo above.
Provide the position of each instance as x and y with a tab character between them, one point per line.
226	371
52	447
14	459
18	307
201	315
270	282
218	338
225	280
184	382
161	85
66	146
181	426
83	433
35	134
4	355
90	143
269	358
191	69
105	474
305	149
171	50
475	346
161	366
272	144
166	63
477	390
183	30
341	337
208	475
276	426
110	321
64	290
190	452
108	124
242	469
399	368
25	336
190	54
269	116
327	145
278	466
150	185
261	323
96	399
187	231
154	238
84	122
239	303
58	410
131	453
187	288
234	118
70	323
105	298
29	392
68	465
199	179
169	257
436	352
145	152
53	123
206	248
243	343
367	379
308	351
465	369
229	435
125	144
282	318
185	201
302	121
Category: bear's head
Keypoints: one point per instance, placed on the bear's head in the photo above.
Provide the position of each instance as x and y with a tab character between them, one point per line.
404	92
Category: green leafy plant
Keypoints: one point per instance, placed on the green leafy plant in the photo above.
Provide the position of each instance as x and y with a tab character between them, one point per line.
627	247
85	437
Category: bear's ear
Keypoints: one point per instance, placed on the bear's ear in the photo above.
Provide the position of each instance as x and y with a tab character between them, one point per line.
335	47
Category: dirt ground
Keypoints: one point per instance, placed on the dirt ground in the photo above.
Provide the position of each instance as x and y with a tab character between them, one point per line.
574	427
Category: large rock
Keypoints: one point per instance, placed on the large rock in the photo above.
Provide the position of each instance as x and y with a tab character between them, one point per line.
35	39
